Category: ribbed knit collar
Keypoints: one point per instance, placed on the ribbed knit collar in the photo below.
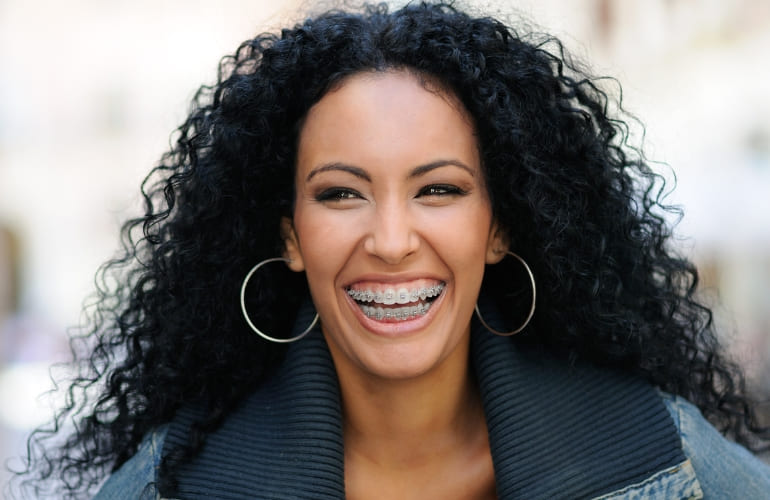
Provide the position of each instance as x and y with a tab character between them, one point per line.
555	431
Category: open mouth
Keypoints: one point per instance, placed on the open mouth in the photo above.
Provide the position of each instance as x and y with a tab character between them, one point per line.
396	304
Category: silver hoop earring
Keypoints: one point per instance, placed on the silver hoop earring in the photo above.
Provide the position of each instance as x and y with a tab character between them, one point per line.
531	309
246	314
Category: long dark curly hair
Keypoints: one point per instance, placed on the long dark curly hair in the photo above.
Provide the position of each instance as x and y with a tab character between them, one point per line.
576	200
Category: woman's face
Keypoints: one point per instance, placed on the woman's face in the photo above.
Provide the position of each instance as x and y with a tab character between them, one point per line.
392	224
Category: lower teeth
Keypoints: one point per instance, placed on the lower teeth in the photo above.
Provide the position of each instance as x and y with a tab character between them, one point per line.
396	313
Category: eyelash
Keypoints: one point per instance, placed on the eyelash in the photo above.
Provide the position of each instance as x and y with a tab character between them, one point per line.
337	194
441	190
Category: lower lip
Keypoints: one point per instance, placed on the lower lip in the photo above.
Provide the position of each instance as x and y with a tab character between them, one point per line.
396	328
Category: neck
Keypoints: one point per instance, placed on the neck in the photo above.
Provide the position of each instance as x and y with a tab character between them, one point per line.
437	412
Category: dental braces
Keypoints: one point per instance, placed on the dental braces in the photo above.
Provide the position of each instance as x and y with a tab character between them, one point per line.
398	314
392	296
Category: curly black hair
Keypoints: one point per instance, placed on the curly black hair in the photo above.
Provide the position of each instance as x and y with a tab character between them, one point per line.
575	198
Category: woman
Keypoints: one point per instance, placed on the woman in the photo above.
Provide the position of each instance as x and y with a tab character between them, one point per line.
320	299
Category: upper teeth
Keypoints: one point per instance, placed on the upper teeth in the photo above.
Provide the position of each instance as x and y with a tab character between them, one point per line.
396	296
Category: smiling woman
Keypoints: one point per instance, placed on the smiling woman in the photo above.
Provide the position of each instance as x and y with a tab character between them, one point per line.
391	206
378	178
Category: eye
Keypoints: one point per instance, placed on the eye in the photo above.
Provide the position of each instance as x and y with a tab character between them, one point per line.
441	190
337	194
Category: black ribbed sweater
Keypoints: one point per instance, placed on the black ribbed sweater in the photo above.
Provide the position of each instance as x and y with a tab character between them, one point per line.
555	431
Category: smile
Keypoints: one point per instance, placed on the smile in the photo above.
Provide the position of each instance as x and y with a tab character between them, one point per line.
409	302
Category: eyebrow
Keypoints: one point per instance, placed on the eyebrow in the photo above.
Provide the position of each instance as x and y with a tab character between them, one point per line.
328	167
362	174
424	169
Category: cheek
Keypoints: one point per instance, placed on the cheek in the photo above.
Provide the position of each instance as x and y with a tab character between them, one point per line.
463	231
325	242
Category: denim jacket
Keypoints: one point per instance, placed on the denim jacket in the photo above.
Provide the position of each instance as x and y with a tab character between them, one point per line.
577	439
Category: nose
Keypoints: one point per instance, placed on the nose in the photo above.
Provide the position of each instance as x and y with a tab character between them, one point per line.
392	236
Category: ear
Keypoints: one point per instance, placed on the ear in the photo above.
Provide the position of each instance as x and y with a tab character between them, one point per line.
291	249
497	244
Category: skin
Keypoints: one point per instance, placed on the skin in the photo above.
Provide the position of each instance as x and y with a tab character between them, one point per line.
390	193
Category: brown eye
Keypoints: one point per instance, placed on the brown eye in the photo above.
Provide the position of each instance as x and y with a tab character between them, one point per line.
441	190
337	194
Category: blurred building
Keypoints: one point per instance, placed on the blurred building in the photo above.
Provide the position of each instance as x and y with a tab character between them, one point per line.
90	91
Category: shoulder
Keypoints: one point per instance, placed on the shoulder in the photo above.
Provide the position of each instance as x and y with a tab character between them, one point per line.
721	466
136	477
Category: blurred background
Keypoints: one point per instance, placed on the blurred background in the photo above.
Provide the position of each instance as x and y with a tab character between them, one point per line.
90	91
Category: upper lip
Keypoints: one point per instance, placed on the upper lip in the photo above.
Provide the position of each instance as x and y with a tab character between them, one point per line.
393	279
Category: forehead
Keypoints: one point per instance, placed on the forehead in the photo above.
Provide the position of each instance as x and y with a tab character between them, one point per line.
402	79
386	116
